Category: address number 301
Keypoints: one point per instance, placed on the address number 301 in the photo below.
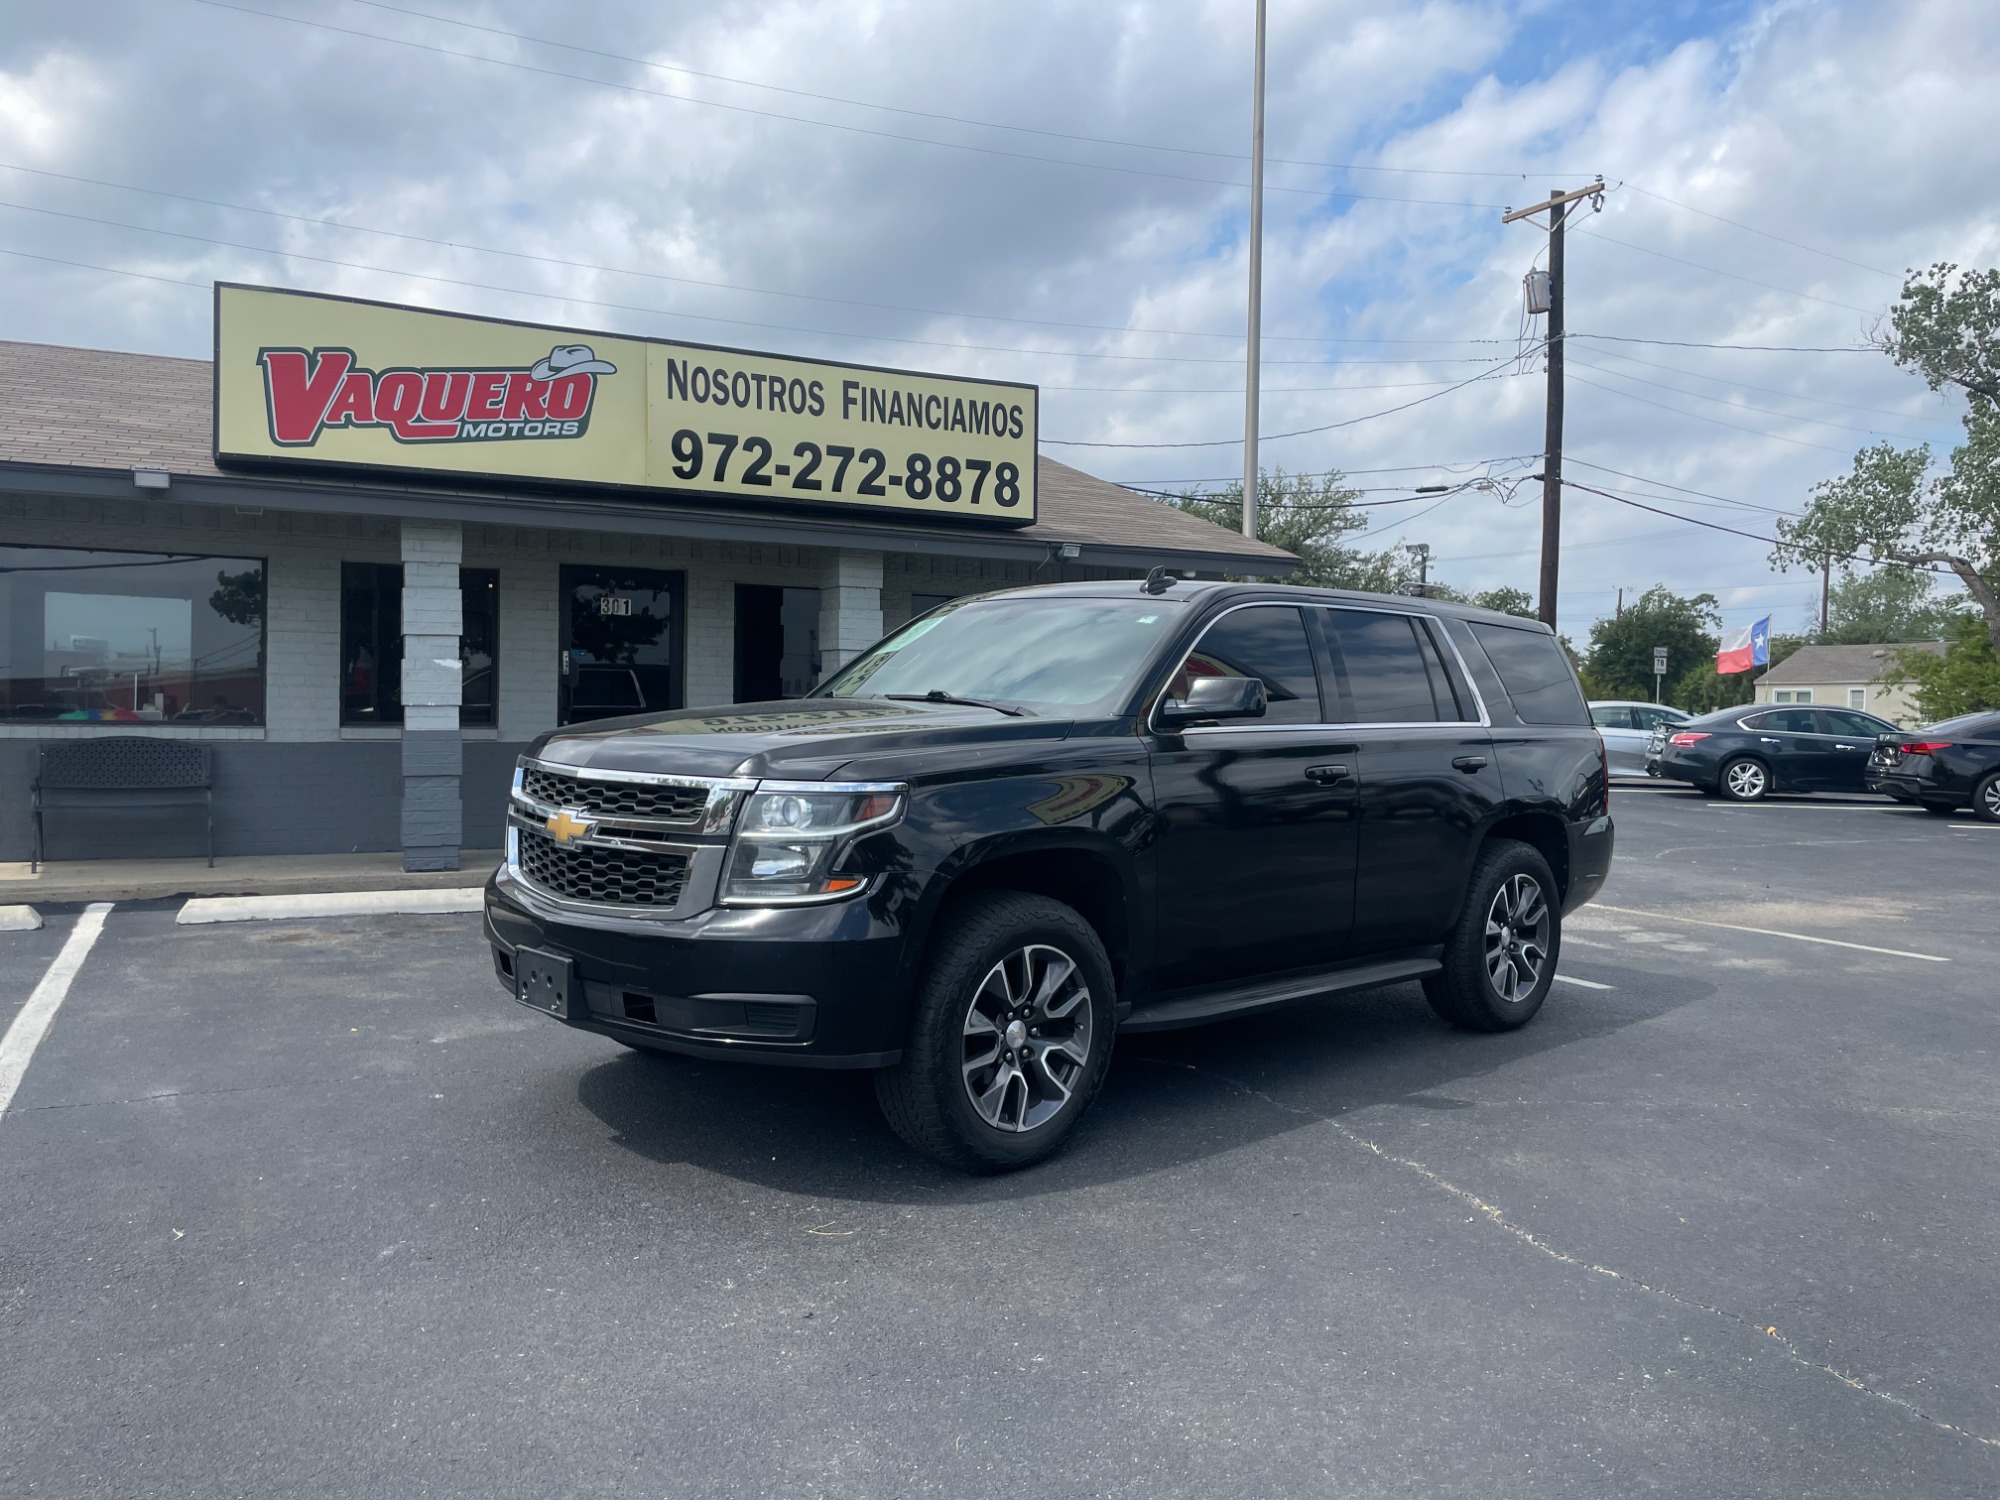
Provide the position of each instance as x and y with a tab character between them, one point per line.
825	470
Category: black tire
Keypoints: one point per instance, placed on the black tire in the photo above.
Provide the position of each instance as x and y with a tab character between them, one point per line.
1465	991
1744	779
1941	809
929	1097
1986	799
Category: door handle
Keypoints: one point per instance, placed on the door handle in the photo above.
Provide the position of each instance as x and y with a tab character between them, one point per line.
1470	763
1847	747
1328	775
1768	740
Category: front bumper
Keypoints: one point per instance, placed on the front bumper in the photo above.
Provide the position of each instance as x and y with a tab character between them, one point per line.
803	986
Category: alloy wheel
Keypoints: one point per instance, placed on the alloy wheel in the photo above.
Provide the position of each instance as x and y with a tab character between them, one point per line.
1746	780
1028	1033
1517	938
1989	799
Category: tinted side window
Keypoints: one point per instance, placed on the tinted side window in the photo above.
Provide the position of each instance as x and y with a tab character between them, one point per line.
1847	723
1266	641
1612	718
1388	680
1536	674
1787	721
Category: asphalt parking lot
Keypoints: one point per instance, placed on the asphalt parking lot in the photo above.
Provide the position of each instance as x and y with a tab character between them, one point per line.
313	1208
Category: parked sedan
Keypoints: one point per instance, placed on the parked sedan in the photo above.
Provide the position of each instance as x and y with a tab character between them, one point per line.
1942	767
1626	727
1748	752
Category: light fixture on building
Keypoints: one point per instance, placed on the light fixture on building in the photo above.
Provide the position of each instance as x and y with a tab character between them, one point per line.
151	479
1069	549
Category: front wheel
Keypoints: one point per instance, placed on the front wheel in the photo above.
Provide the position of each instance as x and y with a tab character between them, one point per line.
1986	799
1500	957
1011	1037
1745	780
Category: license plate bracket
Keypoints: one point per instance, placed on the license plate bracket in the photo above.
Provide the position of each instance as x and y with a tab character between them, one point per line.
547	982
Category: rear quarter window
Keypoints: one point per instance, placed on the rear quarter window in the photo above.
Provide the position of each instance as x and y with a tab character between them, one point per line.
1535	673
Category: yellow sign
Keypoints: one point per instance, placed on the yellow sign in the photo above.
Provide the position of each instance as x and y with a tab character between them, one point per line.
304	378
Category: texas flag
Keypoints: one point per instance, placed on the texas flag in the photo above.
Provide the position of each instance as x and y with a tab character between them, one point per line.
1745	648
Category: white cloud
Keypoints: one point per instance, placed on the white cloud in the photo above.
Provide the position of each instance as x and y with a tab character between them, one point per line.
1861	128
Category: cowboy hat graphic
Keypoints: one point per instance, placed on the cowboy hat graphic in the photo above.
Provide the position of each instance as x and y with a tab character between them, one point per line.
570	359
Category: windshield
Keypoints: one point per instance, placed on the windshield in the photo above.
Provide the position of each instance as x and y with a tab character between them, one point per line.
1971	725
1073	657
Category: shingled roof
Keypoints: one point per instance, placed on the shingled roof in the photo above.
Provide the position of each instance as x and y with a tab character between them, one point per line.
98	409
1815	665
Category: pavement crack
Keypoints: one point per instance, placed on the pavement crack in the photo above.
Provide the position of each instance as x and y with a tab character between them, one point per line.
1497	1217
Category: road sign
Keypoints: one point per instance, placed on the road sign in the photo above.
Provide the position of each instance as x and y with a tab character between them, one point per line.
1659	661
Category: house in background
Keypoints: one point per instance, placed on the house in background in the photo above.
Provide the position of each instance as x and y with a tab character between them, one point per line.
1846	677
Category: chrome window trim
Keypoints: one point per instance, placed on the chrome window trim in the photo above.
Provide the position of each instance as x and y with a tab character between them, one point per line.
717	813
1484	721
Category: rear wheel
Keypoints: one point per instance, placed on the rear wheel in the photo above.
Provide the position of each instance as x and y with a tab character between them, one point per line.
1745	779
1500	958
1986	799
1011	1037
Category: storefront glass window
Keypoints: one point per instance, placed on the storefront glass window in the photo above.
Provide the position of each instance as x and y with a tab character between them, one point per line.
371	643
100	637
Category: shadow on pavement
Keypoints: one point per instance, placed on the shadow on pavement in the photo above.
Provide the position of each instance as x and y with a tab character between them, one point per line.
1172	1098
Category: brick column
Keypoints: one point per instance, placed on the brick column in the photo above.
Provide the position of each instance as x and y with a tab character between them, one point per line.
433	756
850	608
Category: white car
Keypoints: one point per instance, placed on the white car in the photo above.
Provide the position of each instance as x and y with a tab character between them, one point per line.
1625	727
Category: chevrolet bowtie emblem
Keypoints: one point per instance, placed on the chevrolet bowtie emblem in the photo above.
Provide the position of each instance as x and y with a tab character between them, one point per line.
566	825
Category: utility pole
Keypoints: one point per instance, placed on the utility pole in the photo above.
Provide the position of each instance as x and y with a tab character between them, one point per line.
1421	551
1557	208
1253	346
1825	585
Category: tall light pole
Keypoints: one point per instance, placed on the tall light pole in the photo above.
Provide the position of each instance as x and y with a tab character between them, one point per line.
1253	353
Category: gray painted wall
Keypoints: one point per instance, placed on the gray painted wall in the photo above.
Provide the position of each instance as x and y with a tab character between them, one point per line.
327	798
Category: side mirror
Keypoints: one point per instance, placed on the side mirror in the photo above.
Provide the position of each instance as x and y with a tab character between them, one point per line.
1213	698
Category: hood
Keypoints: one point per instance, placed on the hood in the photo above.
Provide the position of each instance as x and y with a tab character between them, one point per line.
800	738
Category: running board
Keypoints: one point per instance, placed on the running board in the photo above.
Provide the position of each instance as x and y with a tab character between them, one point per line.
1238	1000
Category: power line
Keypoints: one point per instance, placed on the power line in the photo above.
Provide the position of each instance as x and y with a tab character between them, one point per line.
1297	432
663	312
1741	405
1456	466
1617	338
1598	234
1702	417
1881	562
921	114
744	109
1663	485
1751	229
584	265
1769	390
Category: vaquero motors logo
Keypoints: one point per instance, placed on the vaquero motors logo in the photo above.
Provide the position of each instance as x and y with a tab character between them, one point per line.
305	393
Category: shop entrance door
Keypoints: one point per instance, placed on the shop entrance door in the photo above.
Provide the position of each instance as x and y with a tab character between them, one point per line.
622	634
777	642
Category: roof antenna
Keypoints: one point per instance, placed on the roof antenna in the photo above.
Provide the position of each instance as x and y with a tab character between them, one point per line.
1158	581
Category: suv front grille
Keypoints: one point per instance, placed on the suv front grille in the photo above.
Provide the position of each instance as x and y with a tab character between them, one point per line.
610	877
613	799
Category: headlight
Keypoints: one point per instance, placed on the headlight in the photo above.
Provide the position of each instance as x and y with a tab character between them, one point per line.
790	838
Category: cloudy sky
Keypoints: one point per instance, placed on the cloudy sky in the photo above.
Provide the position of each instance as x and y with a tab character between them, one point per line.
1054	193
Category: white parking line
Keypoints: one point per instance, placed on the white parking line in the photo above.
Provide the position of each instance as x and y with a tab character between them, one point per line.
31	1024
1884	807
1587	984
1797	937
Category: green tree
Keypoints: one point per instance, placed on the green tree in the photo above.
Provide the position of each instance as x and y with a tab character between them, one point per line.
1509	601
1307	515
1885	604
1965	680
1946	328
1620	660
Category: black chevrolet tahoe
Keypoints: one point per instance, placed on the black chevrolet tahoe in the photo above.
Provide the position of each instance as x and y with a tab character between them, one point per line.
1028	821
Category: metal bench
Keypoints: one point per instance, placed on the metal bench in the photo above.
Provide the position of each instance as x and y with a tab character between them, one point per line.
125	771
